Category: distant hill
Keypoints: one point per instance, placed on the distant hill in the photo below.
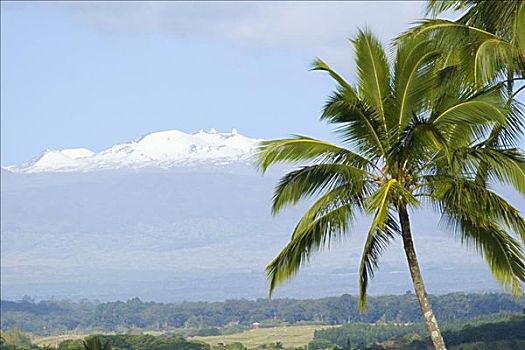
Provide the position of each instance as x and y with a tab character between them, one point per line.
177	216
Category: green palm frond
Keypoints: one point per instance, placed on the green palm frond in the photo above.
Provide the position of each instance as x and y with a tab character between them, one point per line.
519	33
479	109
420	143
355	120
484	55
392	192
510	134
501	165
469	119
500	250
469	200
308	237
435	7
491	57
346	88
355	124
495	16
302	148
383	230
488	36
374	75
379	236
415	75
316	179
338	196
435	28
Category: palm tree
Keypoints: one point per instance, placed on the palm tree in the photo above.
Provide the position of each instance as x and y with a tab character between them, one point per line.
412	134
493	16
94	343
487	41
488	37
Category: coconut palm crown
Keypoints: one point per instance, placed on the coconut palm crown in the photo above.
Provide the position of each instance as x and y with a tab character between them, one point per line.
488	37
412	134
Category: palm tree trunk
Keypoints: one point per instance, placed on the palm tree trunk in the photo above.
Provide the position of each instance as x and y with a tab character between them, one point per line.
417	279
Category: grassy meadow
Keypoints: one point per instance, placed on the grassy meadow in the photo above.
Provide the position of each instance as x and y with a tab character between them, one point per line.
289	336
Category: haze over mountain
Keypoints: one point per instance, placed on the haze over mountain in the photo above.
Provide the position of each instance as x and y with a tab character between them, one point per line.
177	216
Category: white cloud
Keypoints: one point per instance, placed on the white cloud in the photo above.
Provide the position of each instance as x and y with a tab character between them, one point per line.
303	25
313	28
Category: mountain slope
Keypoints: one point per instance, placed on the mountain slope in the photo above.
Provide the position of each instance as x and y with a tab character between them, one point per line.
175	216
162	149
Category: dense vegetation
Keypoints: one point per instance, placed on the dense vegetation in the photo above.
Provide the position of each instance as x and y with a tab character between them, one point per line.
413	336
117	342
503	335
49	317
139	342
501	332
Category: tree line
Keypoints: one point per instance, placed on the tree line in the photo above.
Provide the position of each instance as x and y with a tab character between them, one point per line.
497	332
54	316
485	330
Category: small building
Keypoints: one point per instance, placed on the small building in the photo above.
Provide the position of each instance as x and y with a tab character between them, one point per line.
255	325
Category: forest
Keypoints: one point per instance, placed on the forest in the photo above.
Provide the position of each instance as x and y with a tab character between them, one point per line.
487	333
58	316
484	331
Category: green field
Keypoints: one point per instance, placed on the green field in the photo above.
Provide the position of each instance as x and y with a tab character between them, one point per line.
54	340
290	336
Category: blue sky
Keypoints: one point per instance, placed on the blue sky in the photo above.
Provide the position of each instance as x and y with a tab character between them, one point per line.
96	74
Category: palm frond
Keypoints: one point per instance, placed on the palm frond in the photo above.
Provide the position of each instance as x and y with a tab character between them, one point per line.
336	197
487	51
415	76
509	135
347	89
383	229
470	118
491	57
431	28
302	148
309	236
501	251
315	179
374	75
354	118
519	33
470	200
421	144
503	165
379	236
494	16
436	7
355	124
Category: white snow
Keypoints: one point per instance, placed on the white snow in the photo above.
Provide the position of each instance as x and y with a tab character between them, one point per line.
159	149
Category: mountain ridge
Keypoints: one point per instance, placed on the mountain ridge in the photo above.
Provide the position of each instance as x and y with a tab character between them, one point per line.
161	149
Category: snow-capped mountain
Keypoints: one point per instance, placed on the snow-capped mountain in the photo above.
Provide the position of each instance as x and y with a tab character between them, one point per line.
162	149
172	224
